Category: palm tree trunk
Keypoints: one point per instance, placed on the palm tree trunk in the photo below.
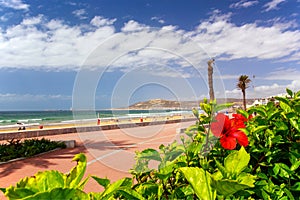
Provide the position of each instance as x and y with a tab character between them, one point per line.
244	99
210	79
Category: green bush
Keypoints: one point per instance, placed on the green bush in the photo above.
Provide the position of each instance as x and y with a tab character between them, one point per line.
205	164
274	147
27	148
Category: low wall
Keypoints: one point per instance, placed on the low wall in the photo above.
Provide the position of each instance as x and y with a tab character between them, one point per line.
59	131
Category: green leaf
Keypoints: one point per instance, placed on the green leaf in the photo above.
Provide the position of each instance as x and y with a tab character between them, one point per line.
262	176
265	195
297	108
237	161
171	155
258	110
184	192
47	180
217	175
194	148
148	188
129	193
111	189
296	187
246	179
195	112
166	171
190	131
244	113
297	94
82	183
60	193
273	114
102	181
228	187
290	92
221	168
284	170
282	99
289	194
295	124
3	190
200	181
295	165
160	191
206	108
259	129
150	154
42	181
281	126
76	174
222	106
18	193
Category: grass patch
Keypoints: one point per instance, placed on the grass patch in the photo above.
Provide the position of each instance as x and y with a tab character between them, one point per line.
27	148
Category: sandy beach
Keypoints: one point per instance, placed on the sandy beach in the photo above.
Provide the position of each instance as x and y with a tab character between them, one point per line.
94	122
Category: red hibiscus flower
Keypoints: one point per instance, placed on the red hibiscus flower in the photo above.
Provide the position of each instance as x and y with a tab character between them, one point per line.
228	130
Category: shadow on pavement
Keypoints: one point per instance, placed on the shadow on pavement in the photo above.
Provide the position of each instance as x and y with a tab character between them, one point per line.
42	161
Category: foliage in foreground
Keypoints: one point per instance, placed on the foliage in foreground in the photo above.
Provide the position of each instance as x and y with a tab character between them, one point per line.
200	166
27	148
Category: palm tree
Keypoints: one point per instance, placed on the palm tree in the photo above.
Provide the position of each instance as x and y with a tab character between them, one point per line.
210	79
243	84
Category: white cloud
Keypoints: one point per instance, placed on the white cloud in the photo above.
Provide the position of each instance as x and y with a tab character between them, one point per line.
80	13
235	93
272	5
15	4
284	74
6	16
133	26
71	3
244	4
101	21
228	41
294	85
39	43
158	19
263	91
33	20
228	76
10	97
275	89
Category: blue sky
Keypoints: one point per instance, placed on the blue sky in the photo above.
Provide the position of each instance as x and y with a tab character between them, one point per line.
112	53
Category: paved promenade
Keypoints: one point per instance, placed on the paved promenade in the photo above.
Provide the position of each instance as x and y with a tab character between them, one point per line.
110	153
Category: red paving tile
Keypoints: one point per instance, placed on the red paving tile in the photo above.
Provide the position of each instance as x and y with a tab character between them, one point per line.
109	153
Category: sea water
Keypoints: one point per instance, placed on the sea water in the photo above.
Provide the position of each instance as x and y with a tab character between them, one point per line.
62	116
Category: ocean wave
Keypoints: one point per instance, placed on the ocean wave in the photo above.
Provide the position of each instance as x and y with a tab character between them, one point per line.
5	121
28	120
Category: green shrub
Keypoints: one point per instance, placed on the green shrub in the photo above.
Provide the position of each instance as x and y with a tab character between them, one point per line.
274	135
27	148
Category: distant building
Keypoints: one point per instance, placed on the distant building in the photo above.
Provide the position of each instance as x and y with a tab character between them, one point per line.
265	101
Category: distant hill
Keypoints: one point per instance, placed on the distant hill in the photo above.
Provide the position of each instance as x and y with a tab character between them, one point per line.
154	104
161	104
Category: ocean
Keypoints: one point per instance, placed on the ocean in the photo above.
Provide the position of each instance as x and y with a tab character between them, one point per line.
62	116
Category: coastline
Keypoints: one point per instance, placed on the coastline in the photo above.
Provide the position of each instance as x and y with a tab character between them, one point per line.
90	125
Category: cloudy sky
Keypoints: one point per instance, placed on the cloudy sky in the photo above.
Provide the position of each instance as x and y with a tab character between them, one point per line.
111	53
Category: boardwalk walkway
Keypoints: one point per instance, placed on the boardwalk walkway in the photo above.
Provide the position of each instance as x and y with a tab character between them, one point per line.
110	153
